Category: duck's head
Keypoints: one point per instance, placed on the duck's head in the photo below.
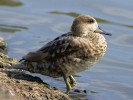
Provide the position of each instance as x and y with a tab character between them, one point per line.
84	25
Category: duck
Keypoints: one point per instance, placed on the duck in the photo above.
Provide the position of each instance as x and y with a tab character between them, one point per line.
69	53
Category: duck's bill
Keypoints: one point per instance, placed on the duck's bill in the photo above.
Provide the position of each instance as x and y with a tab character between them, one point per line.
99	30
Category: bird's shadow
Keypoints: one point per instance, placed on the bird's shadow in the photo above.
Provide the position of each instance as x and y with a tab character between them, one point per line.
21	75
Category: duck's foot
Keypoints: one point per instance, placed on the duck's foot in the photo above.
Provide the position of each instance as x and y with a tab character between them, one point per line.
67	84
70	85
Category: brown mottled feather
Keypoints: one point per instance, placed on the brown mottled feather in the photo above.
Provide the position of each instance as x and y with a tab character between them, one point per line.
61	54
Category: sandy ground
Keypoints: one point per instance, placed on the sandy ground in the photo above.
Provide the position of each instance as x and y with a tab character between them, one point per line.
16	85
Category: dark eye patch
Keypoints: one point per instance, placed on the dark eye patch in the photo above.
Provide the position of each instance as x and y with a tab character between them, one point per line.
91	21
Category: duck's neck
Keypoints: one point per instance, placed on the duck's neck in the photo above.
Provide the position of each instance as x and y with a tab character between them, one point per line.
91	36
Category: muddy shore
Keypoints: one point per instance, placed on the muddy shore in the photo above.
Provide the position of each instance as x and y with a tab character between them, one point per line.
21	86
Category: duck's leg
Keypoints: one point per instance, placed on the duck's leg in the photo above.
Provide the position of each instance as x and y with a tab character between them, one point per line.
72	81
67	84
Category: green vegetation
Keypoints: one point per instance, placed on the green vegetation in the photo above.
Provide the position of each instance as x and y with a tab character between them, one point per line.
10	3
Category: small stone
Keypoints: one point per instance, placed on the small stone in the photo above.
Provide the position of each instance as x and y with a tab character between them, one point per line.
17	81
85	91
30	88
55	88
77	90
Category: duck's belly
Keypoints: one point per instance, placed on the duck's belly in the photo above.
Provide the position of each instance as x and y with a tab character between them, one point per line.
57	70
69	69
72	67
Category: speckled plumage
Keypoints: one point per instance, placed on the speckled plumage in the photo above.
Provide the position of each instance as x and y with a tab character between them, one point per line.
66	54
69	53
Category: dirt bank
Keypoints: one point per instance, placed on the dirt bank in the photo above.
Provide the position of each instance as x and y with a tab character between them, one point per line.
21	86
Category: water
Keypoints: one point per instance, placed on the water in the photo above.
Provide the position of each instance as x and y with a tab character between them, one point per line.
26	25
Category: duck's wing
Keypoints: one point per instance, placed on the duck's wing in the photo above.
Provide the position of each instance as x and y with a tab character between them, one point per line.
57	49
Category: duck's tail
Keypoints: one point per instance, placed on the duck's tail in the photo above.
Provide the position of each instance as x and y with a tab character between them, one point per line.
18	66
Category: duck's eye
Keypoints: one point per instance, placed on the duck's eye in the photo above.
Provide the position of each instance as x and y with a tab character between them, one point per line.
91	21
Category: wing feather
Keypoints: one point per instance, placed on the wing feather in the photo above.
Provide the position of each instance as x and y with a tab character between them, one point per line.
56	49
